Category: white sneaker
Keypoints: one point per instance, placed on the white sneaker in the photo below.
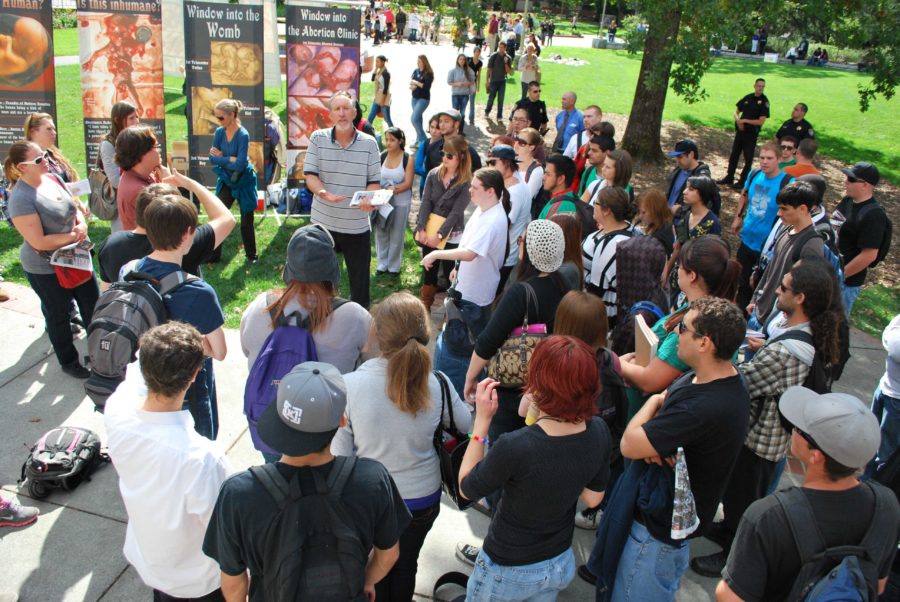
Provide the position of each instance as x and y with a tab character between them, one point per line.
588	518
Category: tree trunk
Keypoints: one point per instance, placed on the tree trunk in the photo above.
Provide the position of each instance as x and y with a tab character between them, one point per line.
642	133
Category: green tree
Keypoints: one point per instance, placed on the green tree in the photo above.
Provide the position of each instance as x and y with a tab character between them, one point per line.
681	32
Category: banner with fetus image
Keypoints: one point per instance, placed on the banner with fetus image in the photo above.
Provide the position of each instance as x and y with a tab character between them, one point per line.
322	58
27	80
121	61
223	50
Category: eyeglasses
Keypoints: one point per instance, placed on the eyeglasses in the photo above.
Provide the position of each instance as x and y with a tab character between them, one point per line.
491	162
520	119
449	155
808	438
36	161
785	289
680	328
222	118
522	141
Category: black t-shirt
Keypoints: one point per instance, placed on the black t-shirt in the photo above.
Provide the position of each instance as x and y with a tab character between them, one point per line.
764	560
121	247
235	537
710	422
798	129
753	107
475	66
541	478
497	66
855	234
537	111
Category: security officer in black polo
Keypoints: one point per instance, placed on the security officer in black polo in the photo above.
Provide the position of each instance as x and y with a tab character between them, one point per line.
752	111
797	126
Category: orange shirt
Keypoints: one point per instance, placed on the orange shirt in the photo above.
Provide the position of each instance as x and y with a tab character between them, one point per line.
797	170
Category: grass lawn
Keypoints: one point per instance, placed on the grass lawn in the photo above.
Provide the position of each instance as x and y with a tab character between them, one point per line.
842	131
65	41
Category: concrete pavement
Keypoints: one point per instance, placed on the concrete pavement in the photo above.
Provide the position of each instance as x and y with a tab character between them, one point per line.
73	552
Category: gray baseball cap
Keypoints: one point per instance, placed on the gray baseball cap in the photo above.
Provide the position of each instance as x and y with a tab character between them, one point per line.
311	257
307	411
841	425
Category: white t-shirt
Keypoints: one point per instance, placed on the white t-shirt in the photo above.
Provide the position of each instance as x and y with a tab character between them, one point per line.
169	478
519	216
535	180
575	143
599	256
594	187
485	235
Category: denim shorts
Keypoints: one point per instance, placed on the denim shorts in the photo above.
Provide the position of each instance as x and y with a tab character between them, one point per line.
538	582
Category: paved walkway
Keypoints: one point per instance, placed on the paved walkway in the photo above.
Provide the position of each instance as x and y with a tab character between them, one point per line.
73	552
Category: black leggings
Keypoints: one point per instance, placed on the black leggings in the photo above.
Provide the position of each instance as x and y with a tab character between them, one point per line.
248	232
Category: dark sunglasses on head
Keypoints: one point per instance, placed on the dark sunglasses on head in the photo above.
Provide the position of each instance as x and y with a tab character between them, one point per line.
449	155
522	141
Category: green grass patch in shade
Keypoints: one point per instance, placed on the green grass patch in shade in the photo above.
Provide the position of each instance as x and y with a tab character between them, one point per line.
842	131
875	307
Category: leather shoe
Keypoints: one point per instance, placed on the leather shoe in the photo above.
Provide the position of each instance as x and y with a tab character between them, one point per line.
709	566
718	534
725	181
76	369
585	574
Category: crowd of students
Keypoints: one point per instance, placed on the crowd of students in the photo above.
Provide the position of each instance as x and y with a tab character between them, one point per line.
564	244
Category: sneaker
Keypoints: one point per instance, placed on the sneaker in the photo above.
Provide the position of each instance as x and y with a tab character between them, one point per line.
14	515
709	566
467	553
588	518
726	181
76	369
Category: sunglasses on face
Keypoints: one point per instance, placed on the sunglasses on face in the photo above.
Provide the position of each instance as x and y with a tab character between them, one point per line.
522	142
220	118
787	147
491	162
681	327
449	155
852	180
36	161
785	289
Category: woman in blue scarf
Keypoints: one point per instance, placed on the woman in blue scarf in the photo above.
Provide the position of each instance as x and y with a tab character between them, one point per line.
237	178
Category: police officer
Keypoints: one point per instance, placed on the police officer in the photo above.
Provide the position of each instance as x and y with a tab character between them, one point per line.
752	111
797	126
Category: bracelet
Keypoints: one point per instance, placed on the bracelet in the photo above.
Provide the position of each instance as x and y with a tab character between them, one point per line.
475	437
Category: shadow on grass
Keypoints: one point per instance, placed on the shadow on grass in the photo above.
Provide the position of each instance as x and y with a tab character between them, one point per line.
732	65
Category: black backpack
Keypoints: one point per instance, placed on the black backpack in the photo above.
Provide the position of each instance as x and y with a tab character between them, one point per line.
312	551
819	378
124	312
62	459
824	570
885	245
612	403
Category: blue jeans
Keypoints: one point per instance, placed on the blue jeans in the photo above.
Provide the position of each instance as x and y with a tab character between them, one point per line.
385	113
887	410
776	477
497	89
649	569
850	294
535	582
418	109
454	366
458	102
205	410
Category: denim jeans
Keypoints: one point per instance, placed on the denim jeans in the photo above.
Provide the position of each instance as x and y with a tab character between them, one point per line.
454	366
400	584
385	113
55	304
850	293
649	569
541	581
887	410
497	89
205	410
418	109
458	102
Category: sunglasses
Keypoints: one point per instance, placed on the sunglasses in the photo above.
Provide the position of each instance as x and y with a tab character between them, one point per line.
852	180
680	328
491	162
523	142
785	289
787	147
36	161
449	155
220	118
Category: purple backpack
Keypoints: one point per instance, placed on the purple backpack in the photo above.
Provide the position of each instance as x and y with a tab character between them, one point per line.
289	344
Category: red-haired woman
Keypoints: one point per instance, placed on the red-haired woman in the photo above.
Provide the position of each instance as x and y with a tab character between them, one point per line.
540	471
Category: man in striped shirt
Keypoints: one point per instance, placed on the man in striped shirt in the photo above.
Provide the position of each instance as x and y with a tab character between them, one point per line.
341	160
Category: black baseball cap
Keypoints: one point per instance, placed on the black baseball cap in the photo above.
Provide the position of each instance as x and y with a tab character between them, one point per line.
864	171
685	146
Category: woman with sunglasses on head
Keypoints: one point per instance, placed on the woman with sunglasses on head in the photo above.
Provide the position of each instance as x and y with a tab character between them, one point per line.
47	217
394	405
123	115
237	177
480	254
445	197
526	143
697	221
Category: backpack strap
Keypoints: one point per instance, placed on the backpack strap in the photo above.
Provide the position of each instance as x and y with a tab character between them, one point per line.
803	238
273	482
339	475
170	282
445	402
802	523
877	529
336	302
794	335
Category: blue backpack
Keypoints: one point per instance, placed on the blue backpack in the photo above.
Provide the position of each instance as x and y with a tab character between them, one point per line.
289	344
831	254
845	572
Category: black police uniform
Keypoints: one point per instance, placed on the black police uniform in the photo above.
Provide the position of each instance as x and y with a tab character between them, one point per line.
537	112
800	130
750	107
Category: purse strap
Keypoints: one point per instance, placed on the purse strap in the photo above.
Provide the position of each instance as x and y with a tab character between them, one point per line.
530	295
445	395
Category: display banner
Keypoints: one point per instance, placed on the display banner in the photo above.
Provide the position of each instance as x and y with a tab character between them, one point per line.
223	49
121	61
322	58
27	81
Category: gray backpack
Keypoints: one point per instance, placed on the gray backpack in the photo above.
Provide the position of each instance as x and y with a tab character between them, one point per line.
123	313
